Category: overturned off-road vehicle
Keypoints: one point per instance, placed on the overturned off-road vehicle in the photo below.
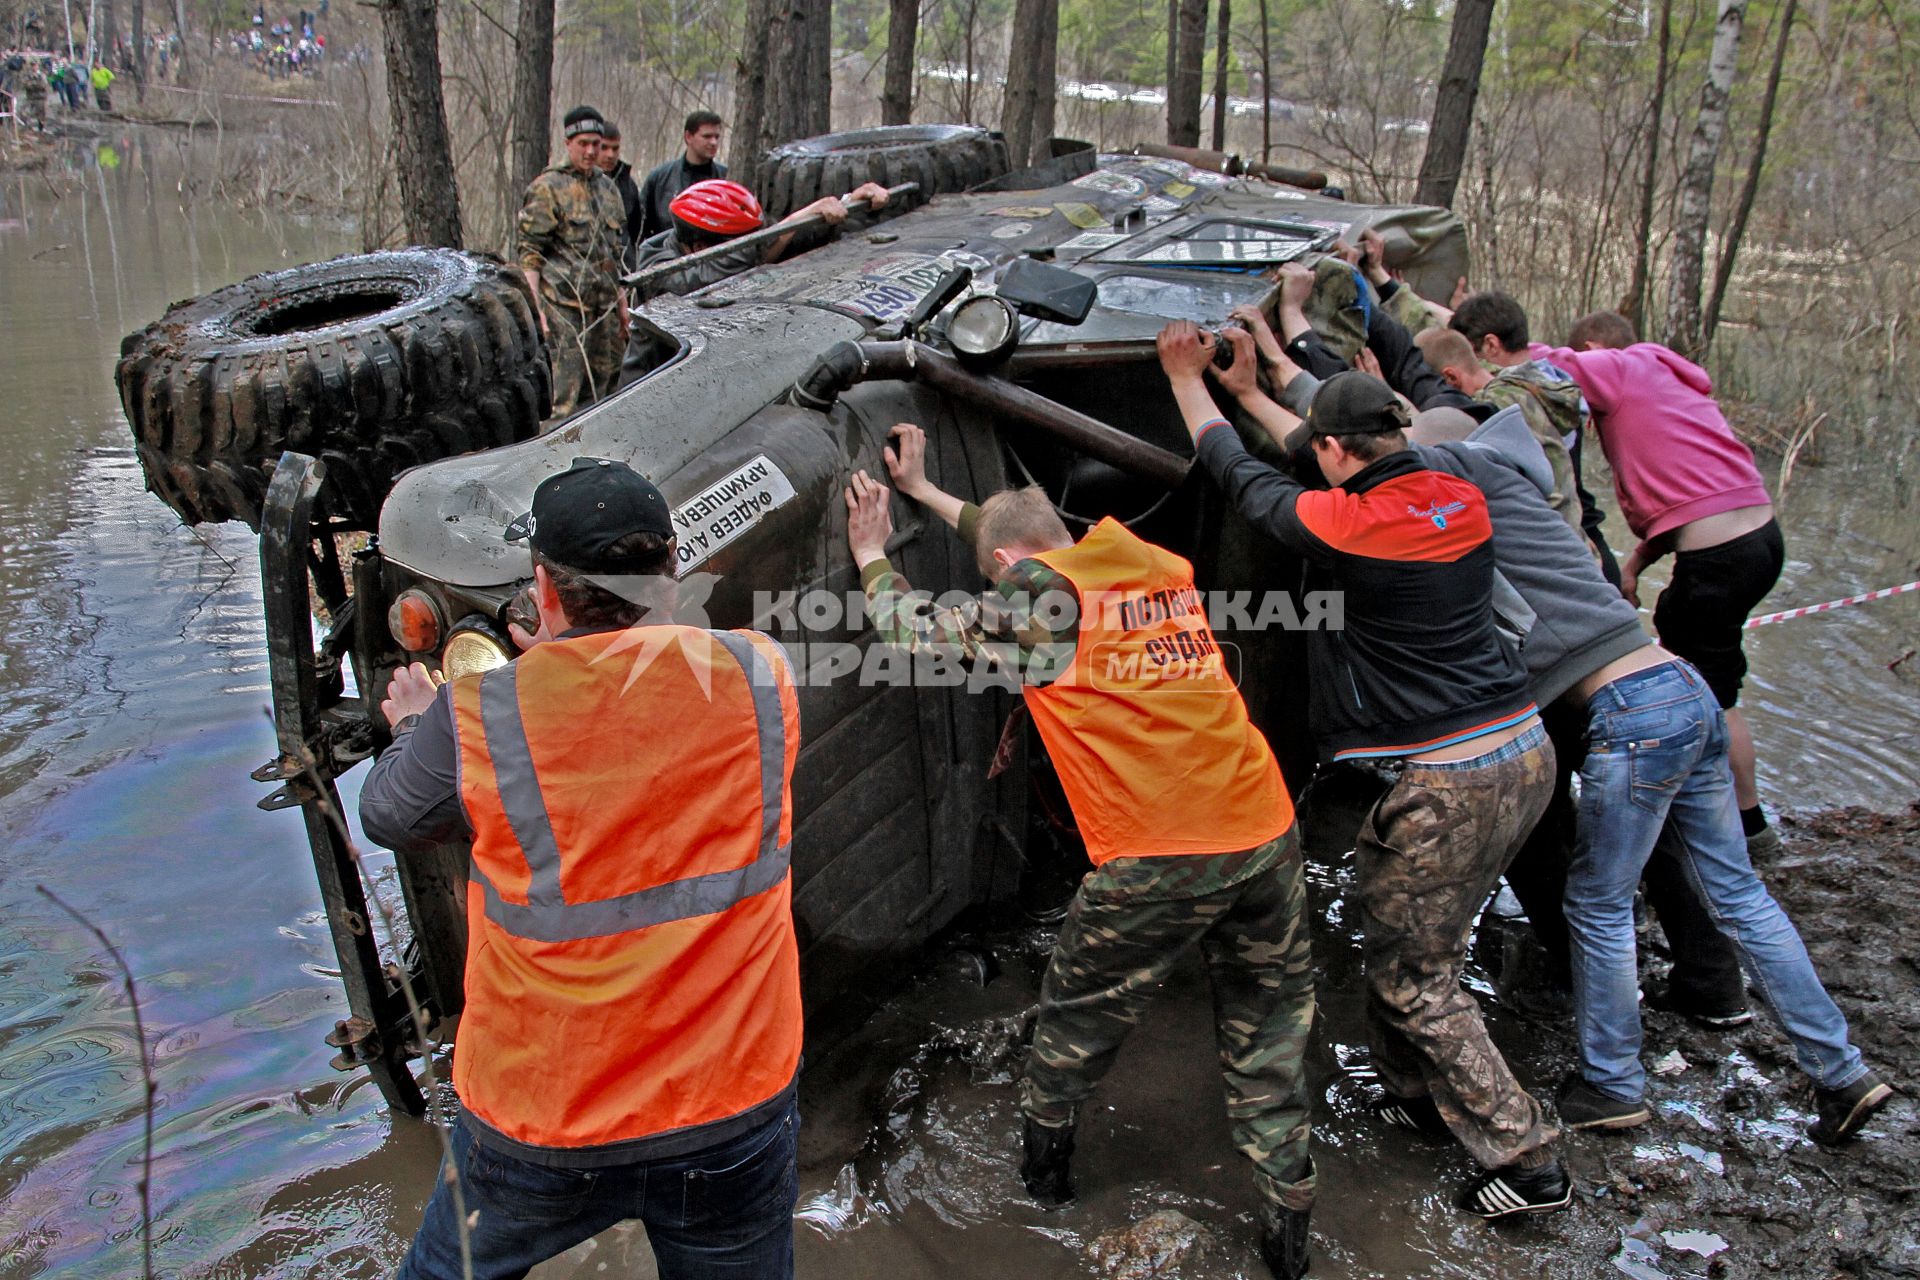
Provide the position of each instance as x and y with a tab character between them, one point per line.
1013	316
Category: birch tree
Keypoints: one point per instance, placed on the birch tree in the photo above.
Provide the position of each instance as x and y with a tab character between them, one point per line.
1685	330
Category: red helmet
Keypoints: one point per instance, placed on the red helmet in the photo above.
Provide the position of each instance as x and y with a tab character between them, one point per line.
716	207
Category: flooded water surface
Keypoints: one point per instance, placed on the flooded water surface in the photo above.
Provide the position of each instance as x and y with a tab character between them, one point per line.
133	703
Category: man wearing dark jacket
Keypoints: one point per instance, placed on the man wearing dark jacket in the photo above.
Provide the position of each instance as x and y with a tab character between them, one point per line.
700	143
622	174
1658	756
1420	685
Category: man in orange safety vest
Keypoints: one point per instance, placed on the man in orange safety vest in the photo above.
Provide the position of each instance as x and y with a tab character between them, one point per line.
631	1038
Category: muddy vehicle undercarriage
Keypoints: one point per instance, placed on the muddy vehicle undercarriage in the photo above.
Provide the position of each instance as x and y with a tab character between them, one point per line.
770	389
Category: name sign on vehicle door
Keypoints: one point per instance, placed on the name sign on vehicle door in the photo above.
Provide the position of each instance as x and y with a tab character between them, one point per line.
724	510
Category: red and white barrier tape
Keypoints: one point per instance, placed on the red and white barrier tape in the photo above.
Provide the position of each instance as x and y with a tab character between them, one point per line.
1801	612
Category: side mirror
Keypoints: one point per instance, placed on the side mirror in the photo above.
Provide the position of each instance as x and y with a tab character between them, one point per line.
1048	293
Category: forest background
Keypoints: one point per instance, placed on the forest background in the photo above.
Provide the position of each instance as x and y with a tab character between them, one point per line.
1581	180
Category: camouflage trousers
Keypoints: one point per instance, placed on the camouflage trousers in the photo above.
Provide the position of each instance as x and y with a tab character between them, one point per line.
1120	942
1428	856
585	351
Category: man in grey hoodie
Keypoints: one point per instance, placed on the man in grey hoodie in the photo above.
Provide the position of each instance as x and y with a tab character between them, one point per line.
1656	759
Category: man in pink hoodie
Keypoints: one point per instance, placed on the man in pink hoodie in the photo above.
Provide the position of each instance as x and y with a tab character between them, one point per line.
1686	484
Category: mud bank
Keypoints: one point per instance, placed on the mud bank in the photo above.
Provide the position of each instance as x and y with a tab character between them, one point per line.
911	1142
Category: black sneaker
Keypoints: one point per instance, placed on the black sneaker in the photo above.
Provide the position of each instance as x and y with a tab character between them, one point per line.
1660	996
1582	1106
1045	1165
1509	1192
1844	1112
1417	1114
1283	1240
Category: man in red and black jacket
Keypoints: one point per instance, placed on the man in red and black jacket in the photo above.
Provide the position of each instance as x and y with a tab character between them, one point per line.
1416	682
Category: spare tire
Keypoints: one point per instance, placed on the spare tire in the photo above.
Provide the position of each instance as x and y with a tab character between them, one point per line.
375	363
940	157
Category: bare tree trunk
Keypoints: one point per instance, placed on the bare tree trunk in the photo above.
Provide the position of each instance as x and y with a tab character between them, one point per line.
1743	208
750	94
1027	118
1634	306
1220	80
532	110
429	201
784	79
818	101
139	50
1452	124
1183	91
798	85
1696	182
903	26
1266	88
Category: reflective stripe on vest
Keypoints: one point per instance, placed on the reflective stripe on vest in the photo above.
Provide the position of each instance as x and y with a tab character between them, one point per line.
547	916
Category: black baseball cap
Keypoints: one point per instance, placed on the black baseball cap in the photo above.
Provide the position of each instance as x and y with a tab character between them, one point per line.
1355	404
580	513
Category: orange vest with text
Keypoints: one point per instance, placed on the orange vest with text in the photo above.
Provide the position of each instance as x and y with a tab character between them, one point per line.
1148	733
633	978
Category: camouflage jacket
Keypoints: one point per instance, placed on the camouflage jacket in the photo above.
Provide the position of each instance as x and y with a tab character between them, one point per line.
1553	409
572	230
1005	630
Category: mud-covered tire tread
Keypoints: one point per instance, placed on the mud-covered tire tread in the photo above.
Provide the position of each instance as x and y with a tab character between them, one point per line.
942	158
455	364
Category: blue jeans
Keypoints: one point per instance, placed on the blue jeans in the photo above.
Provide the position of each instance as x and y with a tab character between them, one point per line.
1657	756
726	1211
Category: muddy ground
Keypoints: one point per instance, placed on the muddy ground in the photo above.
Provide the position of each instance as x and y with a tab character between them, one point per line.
911	1126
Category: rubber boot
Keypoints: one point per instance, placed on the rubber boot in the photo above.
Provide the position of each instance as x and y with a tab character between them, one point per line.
1044	1167
1283	1240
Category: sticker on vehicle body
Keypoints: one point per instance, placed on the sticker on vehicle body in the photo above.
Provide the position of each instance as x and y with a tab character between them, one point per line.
1118	184
1179	190
890	287
1021	211
1012	231
723	511
1083	216
1091	240
1276	249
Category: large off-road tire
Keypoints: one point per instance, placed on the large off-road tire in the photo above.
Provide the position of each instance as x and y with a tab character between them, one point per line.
375	363
940	157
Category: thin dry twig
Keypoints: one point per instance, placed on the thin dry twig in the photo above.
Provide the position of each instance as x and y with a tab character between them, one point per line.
148	1087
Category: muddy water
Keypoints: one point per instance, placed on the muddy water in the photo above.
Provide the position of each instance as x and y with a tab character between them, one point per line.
132	689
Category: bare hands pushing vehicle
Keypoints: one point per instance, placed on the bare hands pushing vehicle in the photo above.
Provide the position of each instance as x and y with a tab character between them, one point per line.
869	519
410	692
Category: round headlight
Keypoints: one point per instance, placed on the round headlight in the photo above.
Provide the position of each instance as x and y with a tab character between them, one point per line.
471	651
983	329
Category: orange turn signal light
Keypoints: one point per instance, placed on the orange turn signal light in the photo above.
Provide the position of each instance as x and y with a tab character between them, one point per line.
414	619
